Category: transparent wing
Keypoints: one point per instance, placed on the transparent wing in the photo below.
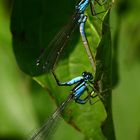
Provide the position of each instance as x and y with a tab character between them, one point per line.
50	55
46	130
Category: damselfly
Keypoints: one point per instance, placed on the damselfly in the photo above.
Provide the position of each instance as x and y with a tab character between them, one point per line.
49	57
83	83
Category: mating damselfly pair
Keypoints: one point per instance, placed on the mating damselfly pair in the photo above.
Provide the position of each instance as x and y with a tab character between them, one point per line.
48	60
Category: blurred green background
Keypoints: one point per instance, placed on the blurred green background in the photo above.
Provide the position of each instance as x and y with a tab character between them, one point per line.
23	103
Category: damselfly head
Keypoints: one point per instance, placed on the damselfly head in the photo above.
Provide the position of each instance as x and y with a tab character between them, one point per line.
87	75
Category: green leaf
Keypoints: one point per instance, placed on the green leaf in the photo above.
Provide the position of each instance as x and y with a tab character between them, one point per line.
34	24
78	116
104	76
34	27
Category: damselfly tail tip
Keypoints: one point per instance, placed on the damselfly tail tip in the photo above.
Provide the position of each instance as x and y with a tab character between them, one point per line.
37	62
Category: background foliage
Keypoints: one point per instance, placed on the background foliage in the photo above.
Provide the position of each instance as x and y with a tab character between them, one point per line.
23	103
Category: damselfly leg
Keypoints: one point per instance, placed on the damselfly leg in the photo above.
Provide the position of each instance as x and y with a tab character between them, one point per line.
83	83
101	3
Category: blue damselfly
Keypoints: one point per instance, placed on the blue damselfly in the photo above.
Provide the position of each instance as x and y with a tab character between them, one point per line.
49	57
83	83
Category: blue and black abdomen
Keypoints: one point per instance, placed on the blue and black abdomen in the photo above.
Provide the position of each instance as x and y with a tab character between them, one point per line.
79	89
